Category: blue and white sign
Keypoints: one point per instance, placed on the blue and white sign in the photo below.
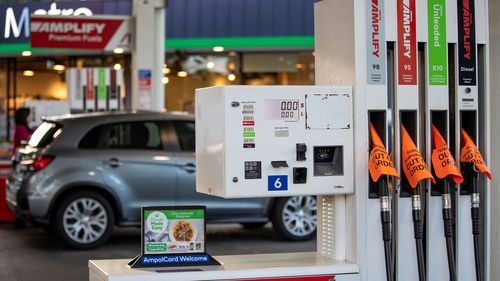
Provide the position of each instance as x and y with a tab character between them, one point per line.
175	259
145	88
277	183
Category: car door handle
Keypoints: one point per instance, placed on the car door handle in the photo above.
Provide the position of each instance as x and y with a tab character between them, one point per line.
190	168
114	163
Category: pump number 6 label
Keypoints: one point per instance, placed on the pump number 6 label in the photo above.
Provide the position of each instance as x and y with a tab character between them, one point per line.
277	183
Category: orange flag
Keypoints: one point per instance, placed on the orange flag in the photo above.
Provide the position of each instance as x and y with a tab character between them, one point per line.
442	161
470	154
380	162
413	163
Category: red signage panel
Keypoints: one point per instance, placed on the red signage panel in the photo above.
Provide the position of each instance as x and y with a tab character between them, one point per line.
90	84
77	32
407	43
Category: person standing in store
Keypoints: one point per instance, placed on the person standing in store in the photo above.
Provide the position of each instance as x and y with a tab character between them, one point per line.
21	131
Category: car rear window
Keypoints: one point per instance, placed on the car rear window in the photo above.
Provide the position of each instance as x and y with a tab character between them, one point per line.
45	134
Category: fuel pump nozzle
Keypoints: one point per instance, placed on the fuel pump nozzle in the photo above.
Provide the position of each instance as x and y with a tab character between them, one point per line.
476	222
448	228
446	168
416	171
381	167
385	219
471	155
418	230
472	174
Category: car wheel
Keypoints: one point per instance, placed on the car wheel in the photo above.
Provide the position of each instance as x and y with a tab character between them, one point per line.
295	217
84	220
253	225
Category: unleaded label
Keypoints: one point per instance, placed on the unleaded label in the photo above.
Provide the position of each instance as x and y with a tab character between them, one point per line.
438	61
101	84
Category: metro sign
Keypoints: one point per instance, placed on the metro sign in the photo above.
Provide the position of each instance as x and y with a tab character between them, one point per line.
90	33
14	27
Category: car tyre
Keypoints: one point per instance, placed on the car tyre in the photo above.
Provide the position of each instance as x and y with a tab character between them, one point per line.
294	218
84	220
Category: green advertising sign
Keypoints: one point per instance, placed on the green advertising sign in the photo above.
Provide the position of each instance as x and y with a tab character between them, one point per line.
438	61
101	84
178	214
168	230
156	247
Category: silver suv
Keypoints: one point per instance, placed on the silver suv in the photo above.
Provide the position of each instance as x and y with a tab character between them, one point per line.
79	175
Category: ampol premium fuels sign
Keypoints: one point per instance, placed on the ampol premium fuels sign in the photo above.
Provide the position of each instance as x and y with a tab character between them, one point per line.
91	33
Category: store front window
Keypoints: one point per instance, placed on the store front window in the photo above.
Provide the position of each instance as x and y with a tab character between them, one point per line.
183	73
29	80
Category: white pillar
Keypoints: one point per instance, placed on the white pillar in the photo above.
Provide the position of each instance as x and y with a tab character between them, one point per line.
148	55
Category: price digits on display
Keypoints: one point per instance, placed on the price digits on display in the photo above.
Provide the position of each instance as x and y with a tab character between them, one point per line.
289	109
282	109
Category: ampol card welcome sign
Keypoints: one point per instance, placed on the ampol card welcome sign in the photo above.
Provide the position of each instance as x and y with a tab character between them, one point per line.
173	237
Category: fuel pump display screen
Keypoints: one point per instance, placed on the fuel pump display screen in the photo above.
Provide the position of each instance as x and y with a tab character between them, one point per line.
286	110
328	161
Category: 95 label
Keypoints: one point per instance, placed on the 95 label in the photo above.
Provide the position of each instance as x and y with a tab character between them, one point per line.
277	183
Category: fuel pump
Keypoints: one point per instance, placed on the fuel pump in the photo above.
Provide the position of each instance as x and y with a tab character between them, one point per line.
446	168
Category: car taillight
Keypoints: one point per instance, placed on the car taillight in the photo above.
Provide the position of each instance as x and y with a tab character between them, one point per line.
41	162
